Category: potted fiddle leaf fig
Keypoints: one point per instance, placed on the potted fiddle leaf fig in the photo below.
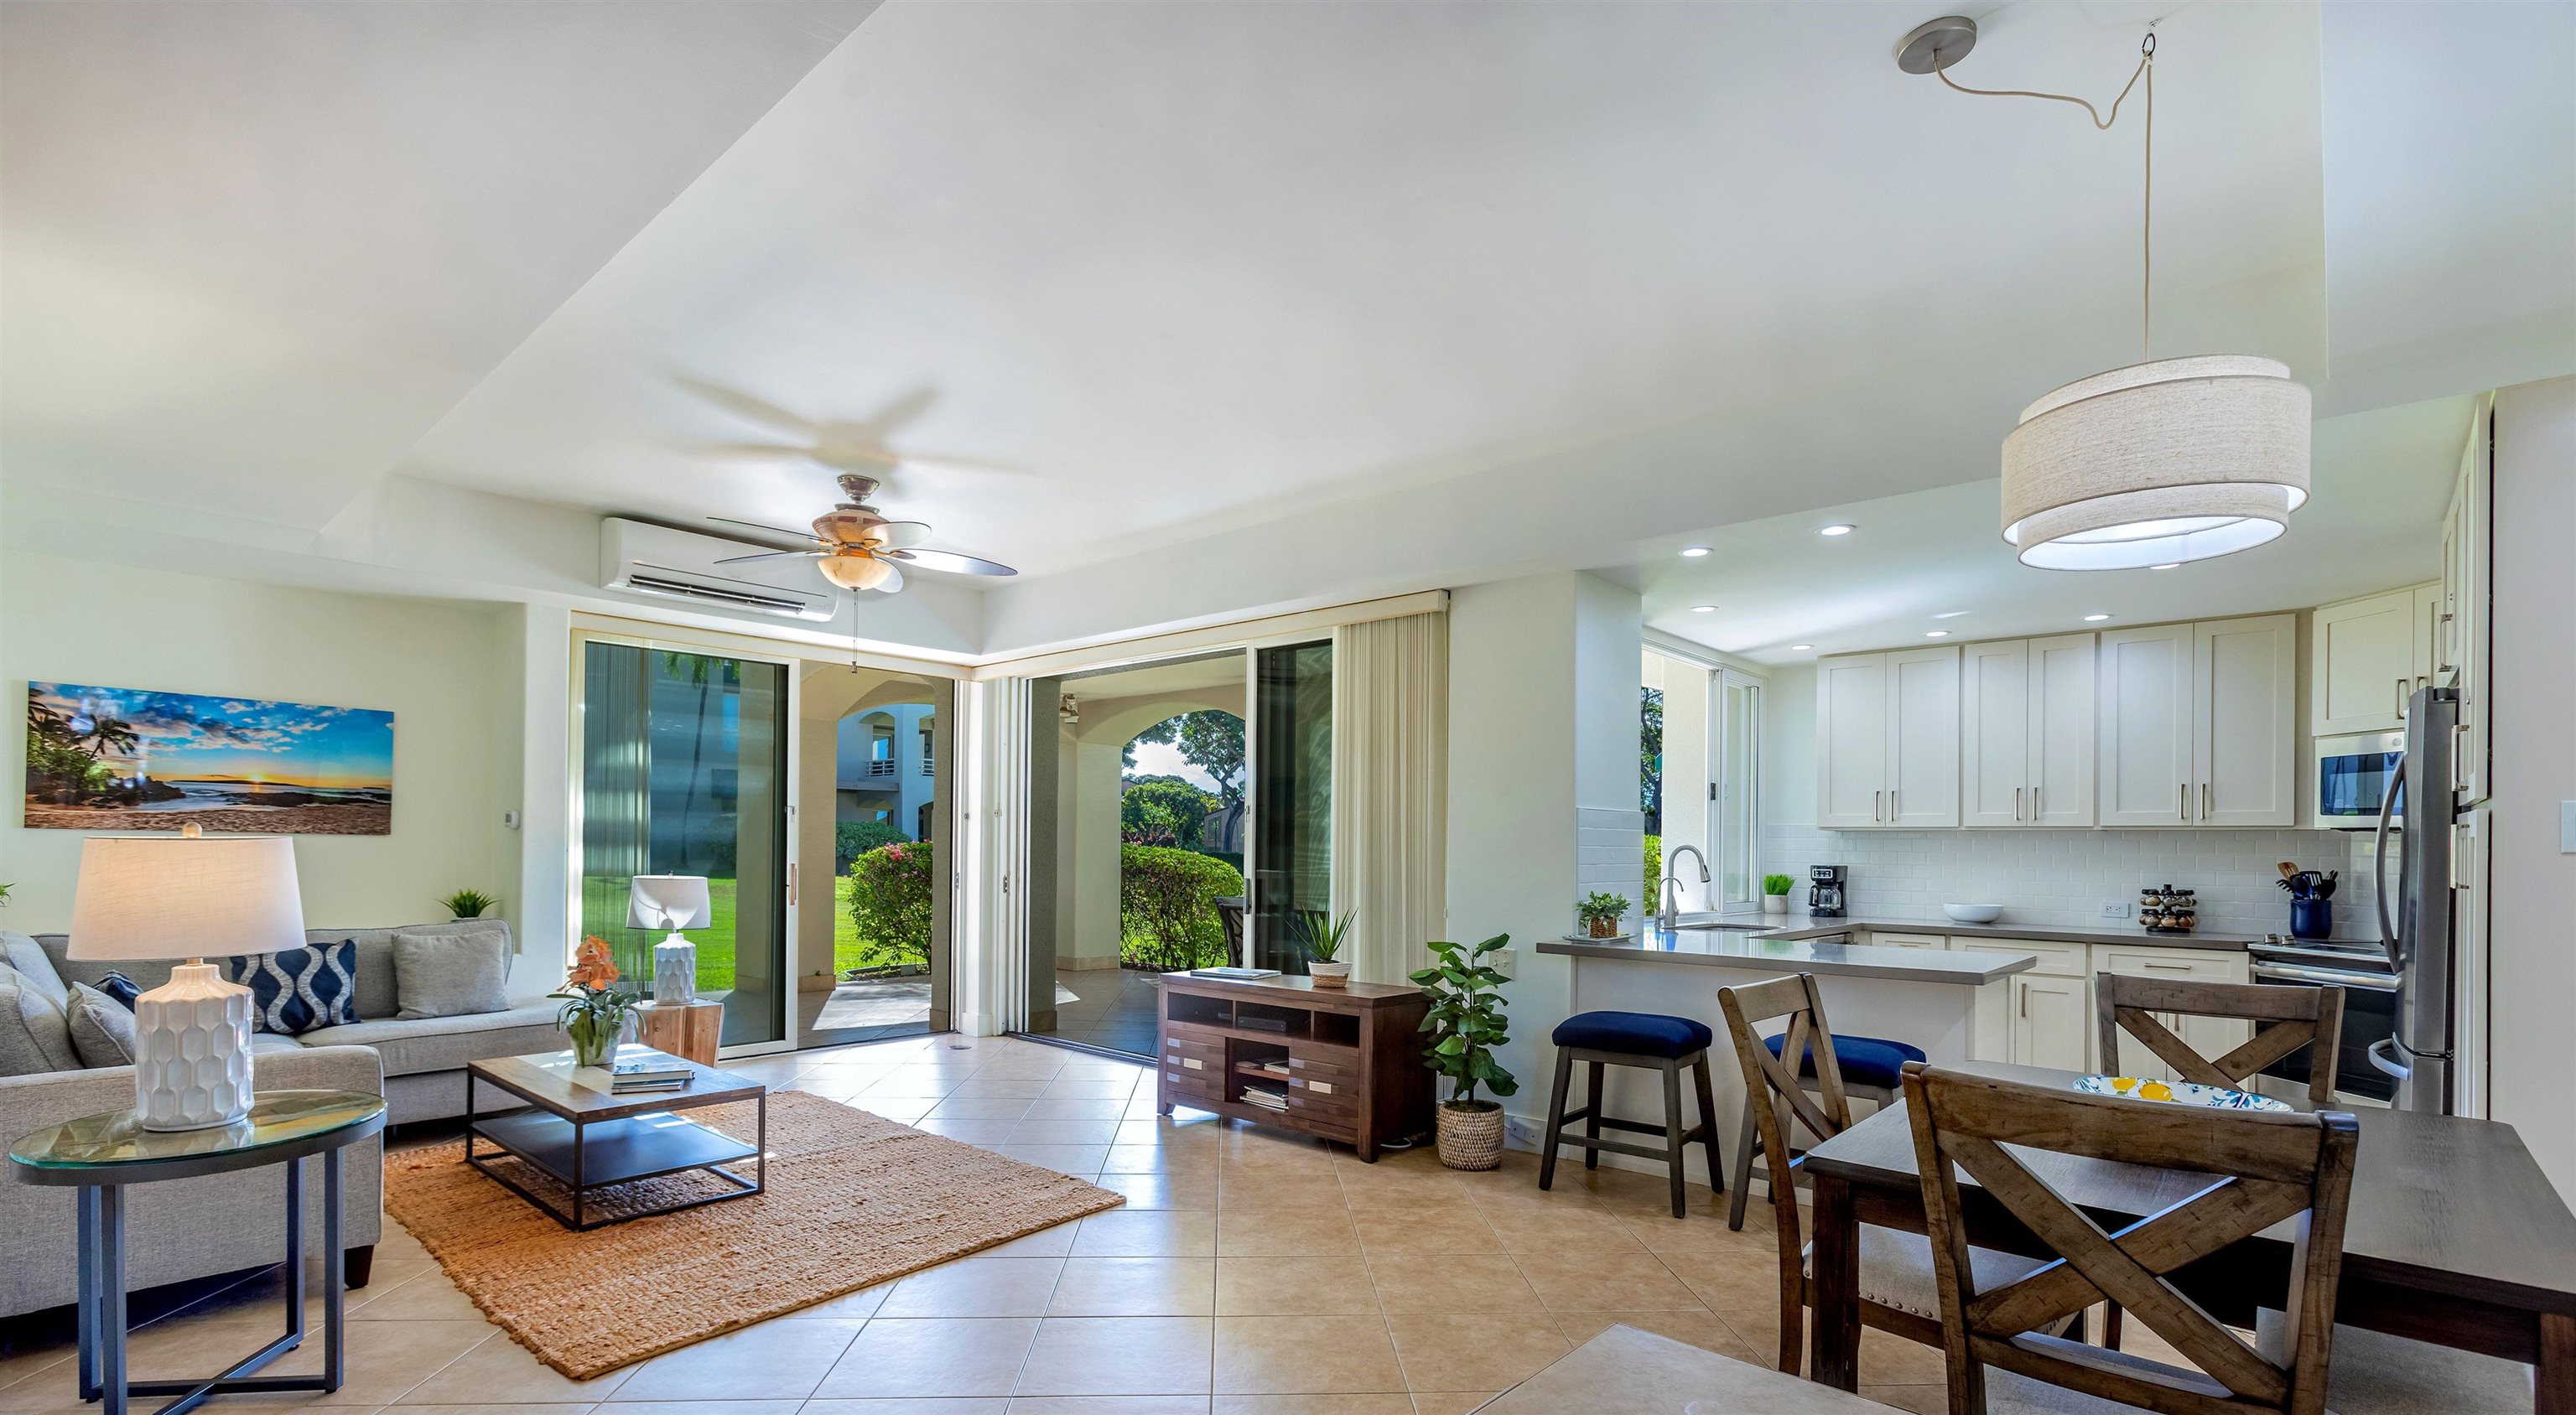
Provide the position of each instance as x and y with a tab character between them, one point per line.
1601	914
1323	938
1775	893
1466	1023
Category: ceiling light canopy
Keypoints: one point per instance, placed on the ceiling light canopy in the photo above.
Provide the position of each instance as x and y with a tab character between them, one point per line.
1693	552
1800	648
1936	633
1703	609
2095	618
2158	463
1839	528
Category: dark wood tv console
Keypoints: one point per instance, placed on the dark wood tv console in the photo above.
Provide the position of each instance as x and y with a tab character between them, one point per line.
1346	1063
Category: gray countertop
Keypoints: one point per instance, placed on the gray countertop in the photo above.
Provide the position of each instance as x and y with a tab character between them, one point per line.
1729	948
1802	926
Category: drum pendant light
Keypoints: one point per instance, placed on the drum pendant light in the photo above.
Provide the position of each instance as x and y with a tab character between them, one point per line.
2164	461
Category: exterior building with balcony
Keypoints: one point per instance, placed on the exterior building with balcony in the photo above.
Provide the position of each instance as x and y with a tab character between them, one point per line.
884	772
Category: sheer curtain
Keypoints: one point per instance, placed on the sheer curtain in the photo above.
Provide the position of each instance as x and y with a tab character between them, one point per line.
1391	789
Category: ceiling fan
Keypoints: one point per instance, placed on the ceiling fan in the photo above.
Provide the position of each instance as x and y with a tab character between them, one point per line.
859	549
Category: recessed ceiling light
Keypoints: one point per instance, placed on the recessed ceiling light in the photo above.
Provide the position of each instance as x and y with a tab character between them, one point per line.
1693	552
1703	609
1838	528
2176	565
1800	648
1952	614
2095	618
1936	633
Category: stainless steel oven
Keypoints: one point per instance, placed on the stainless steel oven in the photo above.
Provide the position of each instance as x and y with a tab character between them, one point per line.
2369	1012
2355	772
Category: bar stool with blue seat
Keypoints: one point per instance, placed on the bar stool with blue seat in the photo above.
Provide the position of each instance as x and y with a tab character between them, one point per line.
1649	1041
1872	1068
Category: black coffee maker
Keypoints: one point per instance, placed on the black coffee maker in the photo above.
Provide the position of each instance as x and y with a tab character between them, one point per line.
1825	891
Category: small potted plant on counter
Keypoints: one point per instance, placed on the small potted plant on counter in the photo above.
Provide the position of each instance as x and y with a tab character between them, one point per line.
1775	893
1466	1023
1601	914
1322	936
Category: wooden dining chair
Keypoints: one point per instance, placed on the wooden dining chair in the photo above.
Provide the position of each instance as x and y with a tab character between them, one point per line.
1897	1294
2268	1167
2309	1017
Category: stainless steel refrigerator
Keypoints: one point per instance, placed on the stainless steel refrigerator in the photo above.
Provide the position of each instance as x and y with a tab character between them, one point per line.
2417	919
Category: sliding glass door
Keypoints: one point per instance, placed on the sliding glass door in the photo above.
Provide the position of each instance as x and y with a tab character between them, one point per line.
684	772
1292	798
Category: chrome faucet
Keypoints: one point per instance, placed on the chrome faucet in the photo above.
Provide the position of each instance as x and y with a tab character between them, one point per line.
1668	915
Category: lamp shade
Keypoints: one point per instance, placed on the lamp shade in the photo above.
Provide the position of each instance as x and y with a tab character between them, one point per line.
191	897
2178	459
667	902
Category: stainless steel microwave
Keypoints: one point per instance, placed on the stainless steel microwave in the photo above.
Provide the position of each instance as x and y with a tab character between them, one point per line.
2355	773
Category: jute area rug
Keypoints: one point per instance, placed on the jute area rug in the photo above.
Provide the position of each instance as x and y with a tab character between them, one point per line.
853	1200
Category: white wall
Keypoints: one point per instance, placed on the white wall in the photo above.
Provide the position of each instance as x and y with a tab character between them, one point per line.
2040	876
2532	956
1542	733
452	673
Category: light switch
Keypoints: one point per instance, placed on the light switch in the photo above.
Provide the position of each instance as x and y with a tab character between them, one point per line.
2567	827
1506	961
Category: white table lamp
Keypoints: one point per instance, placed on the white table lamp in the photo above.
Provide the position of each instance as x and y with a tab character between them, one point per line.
671	903
192	897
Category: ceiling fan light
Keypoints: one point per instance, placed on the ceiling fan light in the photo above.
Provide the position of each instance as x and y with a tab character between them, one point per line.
855	572
2167	461
844	525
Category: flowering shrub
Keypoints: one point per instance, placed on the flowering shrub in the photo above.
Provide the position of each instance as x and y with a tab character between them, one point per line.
1167	907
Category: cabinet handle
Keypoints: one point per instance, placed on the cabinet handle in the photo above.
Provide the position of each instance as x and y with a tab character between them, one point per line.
1892	807
2025	1002
2182	800
2204	800
1877	799
2034	804
2401	699
2169	967
2016	803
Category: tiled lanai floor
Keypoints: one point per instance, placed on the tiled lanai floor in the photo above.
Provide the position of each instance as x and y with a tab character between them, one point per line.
1252	1270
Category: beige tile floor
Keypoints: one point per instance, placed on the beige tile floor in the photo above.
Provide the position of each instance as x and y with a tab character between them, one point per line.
1251	1271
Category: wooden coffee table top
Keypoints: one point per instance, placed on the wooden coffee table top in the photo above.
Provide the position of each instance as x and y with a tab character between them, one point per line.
549	1080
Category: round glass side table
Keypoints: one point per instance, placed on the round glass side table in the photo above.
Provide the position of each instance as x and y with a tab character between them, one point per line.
101	1155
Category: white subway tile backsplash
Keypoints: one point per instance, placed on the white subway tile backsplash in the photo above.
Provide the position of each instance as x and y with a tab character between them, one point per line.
2065	877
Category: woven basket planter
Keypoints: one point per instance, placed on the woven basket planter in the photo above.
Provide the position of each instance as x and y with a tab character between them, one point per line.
1471	1139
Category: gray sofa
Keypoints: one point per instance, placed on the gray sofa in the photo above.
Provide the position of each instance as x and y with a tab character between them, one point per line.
224	1223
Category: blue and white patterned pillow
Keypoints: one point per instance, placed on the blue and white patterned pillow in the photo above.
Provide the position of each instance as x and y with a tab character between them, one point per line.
296	990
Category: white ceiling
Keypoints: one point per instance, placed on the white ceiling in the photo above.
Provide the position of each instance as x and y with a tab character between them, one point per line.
256	249
1232	305
1935	560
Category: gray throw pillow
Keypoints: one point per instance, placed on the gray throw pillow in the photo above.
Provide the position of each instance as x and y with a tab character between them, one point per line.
451	974
28	957
102	1028
35	1038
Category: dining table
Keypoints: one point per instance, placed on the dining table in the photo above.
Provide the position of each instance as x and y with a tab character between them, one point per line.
2453	1236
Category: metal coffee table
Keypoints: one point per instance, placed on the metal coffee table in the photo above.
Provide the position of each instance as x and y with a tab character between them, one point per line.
102	1155
587	1138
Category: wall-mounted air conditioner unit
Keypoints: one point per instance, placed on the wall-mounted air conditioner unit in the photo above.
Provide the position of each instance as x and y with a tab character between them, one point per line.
644	559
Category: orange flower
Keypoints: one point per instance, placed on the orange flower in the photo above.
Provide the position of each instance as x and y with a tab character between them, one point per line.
592	967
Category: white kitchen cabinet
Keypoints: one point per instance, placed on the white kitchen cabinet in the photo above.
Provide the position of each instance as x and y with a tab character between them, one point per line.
2026	732
2470	881
2050	1016
1994	733
2245	675
2460	644
1887	739
2143	738
1851	741
2364	657
1923	738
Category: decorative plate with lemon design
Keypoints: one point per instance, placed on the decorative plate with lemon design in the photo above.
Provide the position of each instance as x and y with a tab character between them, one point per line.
2177	1093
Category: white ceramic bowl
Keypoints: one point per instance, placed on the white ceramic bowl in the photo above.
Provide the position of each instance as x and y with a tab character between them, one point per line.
1974	913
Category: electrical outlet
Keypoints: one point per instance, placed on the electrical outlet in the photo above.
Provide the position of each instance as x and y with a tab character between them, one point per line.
1506	961
2115	909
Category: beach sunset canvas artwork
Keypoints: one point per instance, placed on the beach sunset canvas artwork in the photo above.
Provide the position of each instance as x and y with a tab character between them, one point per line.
128	759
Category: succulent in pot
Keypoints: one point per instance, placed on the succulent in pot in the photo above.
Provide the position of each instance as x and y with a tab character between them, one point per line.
1601	914
1775	893
467	903
1323	938
1466	1023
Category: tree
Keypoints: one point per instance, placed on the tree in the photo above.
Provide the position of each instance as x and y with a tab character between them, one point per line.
1167	907
1650	757
1210	740
891	899
1163	810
